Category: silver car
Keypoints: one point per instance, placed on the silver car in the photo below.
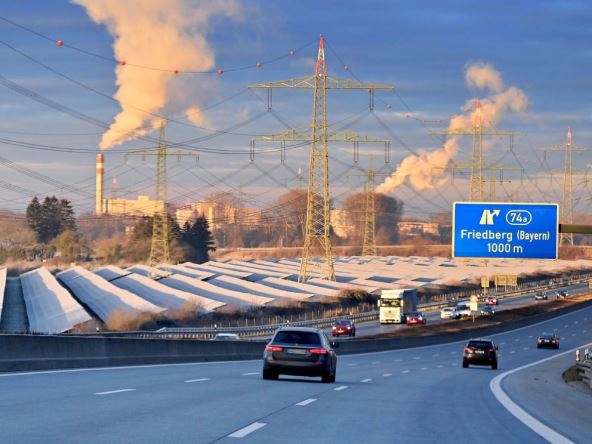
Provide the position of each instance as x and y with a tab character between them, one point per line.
449	313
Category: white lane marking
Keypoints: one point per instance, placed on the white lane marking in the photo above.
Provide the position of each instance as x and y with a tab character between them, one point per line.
517	339
454	353
396	360
519	413
366	380
424	368
435	355
306	401
565	326
584	331
376	362
405	371
247	430
512	352
573	334
416	357
110	392
250	373
525	348
352	365
386	375
338	389
198	380
439	366
502	343
530	337
454	363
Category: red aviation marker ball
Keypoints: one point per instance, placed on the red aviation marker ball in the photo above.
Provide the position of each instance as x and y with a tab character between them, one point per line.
292	52
60	43
122	63
258	65
176	71
220	72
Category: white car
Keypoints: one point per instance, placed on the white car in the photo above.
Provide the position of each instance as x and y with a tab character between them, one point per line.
449	313
464	310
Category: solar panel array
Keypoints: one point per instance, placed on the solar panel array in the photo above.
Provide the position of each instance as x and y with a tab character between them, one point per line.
50	308
101	296
236	283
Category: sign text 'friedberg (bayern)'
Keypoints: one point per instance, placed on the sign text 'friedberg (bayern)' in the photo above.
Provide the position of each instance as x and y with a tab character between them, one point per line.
505	230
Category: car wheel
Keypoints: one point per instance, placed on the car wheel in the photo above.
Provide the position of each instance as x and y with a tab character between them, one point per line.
327	377
268	374
465	363
538	346
494	366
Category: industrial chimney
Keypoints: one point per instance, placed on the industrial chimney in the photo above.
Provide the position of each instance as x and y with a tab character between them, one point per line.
99	186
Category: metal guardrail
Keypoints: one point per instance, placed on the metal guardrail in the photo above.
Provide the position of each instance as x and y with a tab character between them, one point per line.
269	329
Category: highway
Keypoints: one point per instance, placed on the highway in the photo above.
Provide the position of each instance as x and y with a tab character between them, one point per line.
411	395
374	327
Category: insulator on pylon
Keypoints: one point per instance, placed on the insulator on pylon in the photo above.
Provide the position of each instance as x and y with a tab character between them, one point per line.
292	52
176	71
219	72
258	65
346	67
122	63
60	43
389	106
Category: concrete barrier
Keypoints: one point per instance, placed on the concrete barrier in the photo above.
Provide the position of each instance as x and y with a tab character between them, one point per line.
31	352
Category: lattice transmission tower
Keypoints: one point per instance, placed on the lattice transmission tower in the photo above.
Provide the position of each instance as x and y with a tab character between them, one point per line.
317	232
567	201
159	250
477	131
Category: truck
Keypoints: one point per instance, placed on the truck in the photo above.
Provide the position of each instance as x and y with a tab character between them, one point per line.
393	304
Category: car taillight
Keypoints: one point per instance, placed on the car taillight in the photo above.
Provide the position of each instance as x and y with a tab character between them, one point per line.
469	349
539	340
274	348
490	350
318	351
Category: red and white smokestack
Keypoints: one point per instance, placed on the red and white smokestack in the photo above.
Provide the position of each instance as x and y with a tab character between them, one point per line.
569	135
100	174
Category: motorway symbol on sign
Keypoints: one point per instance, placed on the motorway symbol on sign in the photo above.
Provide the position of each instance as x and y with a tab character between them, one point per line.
504	230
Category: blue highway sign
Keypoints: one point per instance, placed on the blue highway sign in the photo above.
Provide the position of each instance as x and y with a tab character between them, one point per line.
505	230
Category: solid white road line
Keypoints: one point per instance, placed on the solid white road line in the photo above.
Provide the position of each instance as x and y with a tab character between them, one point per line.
338	389
366	380
198	380
519	413
352	365
306	401
115	391
247	430
250	373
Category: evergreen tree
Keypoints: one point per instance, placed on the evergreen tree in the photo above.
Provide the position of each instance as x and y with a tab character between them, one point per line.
198	240
33	214
50	218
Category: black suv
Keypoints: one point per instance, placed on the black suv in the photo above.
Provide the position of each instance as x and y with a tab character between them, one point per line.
480	352
300	351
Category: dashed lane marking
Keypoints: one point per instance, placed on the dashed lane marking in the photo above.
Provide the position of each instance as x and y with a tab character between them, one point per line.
250	373
416	357
306	402
525	348
247	430
110	392
439	366
376	362
512	352
530	337
396	360
352	365
366	380
386	375
405	371
435	355
198	380
338	389
424	368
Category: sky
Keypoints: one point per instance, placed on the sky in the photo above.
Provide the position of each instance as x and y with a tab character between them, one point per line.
423	48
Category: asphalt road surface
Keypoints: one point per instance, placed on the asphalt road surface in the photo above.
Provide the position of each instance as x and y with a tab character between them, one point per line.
412	395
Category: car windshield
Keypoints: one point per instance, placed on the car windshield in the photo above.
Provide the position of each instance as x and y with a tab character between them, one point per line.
345	323
547	336
390	302
297	337
414	313
480	344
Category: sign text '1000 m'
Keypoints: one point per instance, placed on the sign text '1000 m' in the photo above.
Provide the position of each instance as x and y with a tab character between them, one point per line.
504	230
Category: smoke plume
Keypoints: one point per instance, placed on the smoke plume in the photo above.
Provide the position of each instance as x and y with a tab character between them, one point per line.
426	170
168	35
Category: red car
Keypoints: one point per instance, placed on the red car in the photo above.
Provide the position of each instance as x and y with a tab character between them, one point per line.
490	300
344	327
415	317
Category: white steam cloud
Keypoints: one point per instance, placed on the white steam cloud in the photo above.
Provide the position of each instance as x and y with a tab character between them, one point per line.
426	170
168	35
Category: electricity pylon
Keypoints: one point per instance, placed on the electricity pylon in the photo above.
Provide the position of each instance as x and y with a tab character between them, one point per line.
567	202
477	131
369	230
318	205
159	251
